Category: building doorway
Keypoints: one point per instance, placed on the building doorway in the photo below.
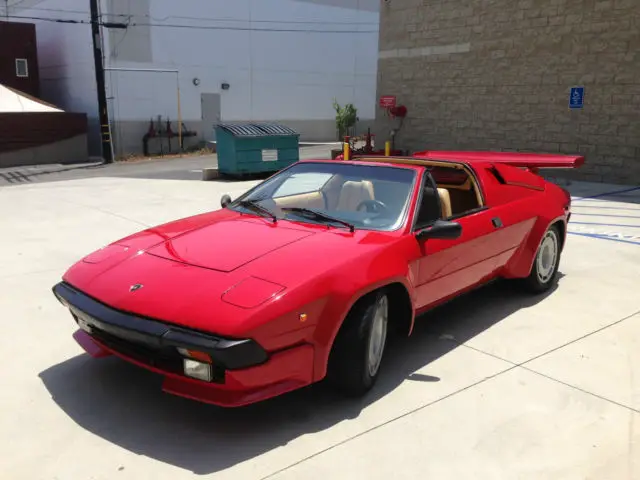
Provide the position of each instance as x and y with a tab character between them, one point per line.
210	115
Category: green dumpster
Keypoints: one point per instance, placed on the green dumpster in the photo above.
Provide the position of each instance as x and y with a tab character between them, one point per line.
249	148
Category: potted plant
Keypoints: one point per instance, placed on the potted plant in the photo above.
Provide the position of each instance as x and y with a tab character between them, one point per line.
346	118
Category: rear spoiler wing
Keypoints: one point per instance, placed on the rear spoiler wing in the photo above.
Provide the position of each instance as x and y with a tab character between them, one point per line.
530	161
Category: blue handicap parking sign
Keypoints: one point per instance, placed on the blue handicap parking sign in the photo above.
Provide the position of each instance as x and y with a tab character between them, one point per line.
576	97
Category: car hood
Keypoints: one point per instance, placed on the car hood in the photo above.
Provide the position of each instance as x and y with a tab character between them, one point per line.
214	273
229	244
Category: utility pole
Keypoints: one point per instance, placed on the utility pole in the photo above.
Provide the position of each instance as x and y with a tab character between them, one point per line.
107	152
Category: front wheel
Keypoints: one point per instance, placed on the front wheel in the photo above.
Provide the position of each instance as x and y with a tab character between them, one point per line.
544	273
354	363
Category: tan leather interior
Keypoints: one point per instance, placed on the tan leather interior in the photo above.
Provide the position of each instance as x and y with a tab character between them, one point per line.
353	194
332	191
445	202
471	185
308	200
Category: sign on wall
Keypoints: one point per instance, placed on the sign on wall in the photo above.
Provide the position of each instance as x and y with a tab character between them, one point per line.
269	155
576	98
387	101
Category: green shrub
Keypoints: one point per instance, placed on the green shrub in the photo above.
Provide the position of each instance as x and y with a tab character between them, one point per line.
346	118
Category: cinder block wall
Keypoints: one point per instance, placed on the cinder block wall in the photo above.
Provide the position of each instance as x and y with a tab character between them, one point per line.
496	74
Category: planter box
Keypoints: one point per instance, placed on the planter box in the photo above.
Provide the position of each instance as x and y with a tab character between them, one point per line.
375	153
335	153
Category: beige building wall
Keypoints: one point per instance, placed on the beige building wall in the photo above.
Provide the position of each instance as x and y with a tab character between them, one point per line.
497	75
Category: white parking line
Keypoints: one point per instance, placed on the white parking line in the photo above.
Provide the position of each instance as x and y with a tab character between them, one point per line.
603	233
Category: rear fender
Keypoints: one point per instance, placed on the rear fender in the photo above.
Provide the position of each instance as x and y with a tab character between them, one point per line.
521	263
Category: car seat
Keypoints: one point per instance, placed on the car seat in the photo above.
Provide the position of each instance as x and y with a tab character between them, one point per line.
353	193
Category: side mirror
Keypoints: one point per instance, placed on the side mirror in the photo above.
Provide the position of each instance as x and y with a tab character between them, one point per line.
441	229
225	200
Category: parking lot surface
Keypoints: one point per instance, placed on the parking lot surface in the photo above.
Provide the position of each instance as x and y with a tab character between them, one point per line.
496	385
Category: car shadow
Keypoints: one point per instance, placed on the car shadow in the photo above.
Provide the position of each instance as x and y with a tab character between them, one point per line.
124	405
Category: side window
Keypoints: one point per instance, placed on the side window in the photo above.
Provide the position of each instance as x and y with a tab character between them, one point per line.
300	183
457	191
22	67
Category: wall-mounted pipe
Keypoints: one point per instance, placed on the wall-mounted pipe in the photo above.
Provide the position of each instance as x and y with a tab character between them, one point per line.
158	70
167	133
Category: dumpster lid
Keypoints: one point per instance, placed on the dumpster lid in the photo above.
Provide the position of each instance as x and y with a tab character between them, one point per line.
276	129
256	129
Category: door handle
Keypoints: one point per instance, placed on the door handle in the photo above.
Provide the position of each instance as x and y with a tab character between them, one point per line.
497	223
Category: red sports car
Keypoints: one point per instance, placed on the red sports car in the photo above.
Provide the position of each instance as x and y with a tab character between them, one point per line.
303	276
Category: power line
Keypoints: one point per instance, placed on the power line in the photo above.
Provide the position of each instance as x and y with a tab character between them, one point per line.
44	19
247	29
54	20
204	19
238	20
194	27
40	9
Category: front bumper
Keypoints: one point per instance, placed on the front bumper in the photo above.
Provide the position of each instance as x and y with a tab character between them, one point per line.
242	371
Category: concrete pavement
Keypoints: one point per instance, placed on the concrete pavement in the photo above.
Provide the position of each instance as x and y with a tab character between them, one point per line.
170	168
497	385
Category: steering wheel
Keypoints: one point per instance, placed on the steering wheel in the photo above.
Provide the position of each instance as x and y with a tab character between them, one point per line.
373	206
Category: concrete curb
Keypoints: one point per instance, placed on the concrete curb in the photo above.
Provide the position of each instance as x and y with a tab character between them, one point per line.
210	174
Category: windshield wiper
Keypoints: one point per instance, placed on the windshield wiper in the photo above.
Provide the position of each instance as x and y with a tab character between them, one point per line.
256	207
319	216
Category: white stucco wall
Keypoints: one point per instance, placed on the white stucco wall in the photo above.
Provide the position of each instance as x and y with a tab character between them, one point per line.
273	75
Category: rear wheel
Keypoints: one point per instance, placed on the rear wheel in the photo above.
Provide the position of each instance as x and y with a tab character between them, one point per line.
544	273
356	357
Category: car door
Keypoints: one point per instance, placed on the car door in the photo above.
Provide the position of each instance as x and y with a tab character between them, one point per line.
514	196
446	267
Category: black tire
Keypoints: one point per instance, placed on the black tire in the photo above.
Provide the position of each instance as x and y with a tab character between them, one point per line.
541	279
349	361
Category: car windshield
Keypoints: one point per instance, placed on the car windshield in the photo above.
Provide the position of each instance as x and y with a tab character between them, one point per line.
343	195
